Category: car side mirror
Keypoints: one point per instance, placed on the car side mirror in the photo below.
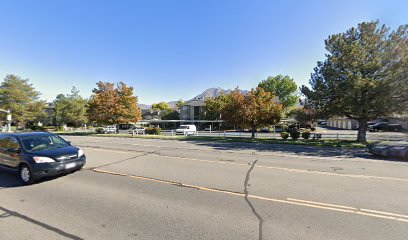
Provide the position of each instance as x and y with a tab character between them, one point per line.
69	142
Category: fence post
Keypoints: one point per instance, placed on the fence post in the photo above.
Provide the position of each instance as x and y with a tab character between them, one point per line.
224	134
337	136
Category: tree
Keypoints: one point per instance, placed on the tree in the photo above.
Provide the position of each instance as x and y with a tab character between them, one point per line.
212	107
303	115
282	86
170	115
260	109
180	103
161	106
113	104
70	109
254	110
364	75
20	97
232	110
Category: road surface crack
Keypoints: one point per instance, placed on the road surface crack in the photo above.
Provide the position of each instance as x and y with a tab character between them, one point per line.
249	202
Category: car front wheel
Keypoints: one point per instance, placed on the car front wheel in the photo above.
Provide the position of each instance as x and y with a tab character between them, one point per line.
26	175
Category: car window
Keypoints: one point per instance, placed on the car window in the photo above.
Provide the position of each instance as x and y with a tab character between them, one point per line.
3	141
13	144
41	143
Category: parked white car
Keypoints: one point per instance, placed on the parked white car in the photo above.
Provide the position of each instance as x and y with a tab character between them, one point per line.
137	130
186	130
109	129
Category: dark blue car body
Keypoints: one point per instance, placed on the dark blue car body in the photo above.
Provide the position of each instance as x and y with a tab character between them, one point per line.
15	153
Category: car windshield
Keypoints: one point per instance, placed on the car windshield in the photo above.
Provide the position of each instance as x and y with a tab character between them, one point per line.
183	127
34	144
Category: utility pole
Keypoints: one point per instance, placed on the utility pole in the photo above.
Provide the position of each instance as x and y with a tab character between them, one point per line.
8	119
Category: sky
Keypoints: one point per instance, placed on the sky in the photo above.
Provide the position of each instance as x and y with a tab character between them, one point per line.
173	49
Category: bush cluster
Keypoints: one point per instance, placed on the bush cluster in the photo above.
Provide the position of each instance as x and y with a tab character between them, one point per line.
284	135
306	135
294	134
153	130
99	130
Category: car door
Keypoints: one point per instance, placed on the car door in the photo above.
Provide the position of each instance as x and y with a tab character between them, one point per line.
13	153
3	148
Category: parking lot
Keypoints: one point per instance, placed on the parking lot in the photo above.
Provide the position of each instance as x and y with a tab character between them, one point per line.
169	189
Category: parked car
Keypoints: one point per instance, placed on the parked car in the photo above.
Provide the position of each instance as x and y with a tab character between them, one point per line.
38	154
109	129
137	130
355	127
186	130
384	126
389	149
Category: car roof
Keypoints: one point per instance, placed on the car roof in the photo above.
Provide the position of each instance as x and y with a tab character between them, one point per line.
27	134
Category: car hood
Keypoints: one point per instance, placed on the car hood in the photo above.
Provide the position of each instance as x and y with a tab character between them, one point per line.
53	153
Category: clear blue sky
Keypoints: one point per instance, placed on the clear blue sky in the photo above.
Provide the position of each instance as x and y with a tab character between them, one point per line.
173	49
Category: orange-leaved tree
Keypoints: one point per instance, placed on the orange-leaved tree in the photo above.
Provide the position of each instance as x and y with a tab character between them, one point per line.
255	109
260	109
113	104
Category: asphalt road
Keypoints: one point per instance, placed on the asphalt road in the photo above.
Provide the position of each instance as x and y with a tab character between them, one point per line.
168	189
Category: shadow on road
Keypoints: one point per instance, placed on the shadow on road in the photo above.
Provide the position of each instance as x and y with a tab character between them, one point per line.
9	213
10	179
299	150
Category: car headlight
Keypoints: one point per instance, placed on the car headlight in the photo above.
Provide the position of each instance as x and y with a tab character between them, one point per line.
43	160
80	153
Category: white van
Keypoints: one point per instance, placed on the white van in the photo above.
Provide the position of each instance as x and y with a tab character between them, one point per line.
186	130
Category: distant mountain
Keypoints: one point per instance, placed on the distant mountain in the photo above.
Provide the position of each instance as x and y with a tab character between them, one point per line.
144	106
209	93
172	104
214	92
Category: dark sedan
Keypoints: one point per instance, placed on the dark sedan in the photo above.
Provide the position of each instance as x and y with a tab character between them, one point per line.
39	154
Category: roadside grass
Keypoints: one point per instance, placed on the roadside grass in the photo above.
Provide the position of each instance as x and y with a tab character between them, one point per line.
303	142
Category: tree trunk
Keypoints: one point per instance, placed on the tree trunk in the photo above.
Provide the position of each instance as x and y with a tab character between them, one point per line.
362	129
253	132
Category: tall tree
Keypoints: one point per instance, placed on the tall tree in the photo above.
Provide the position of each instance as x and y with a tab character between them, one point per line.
19	96
364	76
282	86
253	110
212	107
179	104
70	109
161	106
113	104
232	110
260	109
303	115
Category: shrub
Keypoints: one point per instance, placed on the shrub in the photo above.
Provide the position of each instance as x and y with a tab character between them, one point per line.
99	130
153	130
294	134
306	135
284	135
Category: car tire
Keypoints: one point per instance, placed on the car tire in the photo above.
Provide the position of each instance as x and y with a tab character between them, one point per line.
25	174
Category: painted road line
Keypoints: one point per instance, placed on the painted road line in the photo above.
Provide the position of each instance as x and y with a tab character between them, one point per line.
290	201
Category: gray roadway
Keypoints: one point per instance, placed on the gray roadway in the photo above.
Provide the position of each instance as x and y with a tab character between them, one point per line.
168	189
